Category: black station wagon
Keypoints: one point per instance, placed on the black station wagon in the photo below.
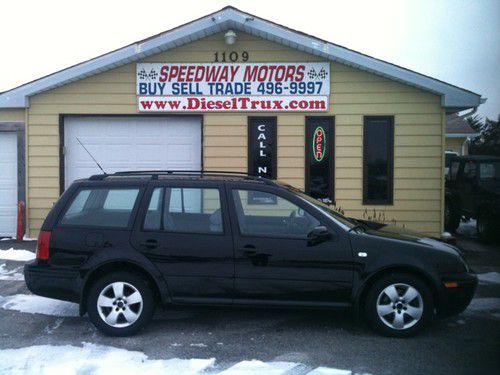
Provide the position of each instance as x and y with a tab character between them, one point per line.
120	244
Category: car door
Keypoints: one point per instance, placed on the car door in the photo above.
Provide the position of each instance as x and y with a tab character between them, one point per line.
184	231
275	261
468	187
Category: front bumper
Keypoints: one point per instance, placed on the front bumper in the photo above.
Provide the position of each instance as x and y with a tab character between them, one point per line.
53	282
455	300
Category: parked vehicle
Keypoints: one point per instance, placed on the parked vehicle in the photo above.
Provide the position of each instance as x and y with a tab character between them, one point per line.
120	244
473	191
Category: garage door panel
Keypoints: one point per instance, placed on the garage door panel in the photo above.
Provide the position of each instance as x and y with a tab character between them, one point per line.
134	143
8	183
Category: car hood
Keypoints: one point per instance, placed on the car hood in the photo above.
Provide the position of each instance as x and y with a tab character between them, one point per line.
393	232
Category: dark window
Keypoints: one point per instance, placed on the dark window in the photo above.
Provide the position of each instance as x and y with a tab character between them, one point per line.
319	159
184	210
101	207
284	219
378	153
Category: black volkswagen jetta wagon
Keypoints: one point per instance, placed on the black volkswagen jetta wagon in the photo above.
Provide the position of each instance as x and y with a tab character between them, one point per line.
119	244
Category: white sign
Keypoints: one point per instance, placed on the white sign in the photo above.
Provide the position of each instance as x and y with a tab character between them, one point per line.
230	103
181	87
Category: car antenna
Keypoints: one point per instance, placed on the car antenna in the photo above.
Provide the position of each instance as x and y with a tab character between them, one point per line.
85	148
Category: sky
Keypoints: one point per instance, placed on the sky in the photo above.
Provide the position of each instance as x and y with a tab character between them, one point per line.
457	41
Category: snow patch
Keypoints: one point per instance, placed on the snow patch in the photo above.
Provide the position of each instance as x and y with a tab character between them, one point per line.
27	303
10	275
19	255
489	277
26	238
92	359
329	371
255	367
484	304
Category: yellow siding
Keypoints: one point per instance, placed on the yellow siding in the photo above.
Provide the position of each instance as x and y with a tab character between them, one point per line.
455	144
12	114
418	115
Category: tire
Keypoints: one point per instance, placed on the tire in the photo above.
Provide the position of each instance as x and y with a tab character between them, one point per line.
485	228
395	318
120	316
451	217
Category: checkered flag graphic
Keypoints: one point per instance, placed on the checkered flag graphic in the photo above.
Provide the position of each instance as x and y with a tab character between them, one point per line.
322	74
145	76
153	75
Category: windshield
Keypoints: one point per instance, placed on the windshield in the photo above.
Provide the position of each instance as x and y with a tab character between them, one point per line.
350	223
489	171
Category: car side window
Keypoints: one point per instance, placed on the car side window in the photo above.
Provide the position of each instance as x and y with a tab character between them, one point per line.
283	219
470	170
101	207
185	210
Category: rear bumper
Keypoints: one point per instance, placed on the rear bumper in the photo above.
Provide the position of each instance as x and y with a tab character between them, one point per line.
455	300
53	282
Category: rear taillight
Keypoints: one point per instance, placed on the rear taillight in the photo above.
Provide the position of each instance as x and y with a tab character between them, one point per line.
42	248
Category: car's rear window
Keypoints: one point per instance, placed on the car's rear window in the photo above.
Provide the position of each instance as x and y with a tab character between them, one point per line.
101	207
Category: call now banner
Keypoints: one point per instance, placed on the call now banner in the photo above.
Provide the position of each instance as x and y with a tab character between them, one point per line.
231	103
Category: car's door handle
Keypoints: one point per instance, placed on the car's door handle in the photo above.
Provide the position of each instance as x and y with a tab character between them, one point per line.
150	244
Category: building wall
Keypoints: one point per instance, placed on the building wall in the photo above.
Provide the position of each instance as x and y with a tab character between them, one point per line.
419	124
12	114
455	144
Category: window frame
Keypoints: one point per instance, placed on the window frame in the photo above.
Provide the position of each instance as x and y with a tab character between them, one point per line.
162	231
294	200
390	160
133	212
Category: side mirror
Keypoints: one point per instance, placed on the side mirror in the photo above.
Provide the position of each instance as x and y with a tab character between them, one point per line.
318	235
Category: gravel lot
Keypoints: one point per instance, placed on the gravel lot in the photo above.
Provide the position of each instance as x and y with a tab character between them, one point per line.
286	341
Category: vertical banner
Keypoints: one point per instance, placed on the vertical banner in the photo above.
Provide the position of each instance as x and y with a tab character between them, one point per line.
262	152
319	168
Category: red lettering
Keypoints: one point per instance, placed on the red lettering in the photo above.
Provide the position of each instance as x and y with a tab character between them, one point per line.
163	73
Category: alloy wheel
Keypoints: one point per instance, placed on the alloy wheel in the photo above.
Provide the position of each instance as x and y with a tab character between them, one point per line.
120	304
400	306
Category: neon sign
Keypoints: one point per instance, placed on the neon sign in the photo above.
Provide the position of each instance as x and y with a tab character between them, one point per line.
319	144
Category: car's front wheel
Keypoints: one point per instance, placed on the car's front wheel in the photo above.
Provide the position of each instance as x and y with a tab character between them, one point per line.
120	304
399	305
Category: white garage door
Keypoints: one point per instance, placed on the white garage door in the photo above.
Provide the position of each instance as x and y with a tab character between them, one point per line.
130	143
8	183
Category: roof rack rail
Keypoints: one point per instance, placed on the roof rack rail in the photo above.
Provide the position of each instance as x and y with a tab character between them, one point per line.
155	173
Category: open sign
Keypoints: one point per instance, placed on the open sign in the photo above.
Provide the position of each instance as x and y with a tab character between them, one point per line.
319	144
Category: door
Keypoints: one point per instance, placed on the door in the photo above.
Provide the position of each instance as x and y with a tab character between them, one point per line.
8	183
185	233
275	259
130	143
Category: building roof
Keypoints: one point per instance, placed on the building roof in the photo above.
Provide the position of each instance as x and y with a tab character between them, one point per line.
458	127
453	98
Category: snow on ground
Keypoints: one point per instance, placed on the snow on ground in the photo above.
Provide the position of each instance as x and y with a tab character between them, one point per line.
26	238
99	359
92	359
258	367
11	275
19	255
489	277
39	305
484	304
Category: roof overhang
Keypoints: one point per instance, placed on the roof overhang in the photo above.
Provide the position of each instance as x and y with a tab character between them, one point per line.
452	97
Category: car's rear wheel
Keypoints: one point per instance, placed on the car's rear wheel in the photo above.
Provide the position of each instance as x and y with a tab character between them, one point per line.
399	305
484	226
120	304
